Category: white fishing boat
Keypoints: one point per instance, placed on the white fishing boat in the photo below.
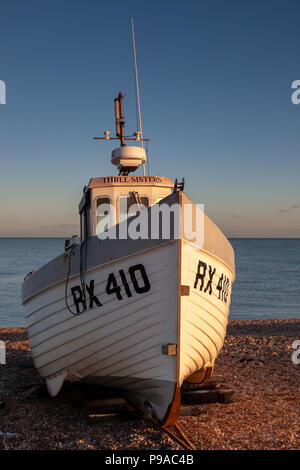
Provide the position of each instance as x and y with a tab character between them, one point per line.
142	312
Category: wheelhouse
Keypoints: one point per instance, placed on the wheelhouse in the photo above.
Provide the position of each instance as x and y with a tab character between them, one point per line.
121	197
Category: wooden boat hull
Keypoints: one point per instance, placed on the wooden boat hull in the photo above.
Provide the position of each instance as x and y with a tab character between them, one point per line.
155	316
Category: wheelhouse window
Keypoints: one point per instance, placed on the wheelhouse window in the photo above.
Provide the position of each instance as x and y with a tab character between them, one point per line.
104	216
131	205
85	215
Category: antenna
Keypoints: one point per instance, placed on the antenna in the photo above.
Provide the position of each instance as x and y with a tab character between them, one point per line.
128	159
137	89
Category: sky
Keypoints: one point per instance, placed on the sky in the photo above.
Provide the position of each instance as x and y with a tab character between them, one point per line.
215	85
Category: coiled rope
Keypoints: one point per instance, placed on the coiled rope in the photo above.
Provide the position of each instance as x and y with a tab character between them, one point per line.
83	263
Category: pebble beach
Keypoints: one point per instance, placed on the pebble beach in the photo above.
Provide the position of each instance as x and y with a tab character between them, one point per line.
256	362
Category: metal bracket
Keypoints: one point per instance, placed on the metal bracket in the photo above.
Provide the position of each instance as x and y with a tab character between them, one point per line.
169	349
185	290
178	186
71	242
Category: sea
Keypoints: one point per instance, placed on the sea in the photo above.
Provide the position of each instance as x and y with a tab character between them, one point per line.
267	281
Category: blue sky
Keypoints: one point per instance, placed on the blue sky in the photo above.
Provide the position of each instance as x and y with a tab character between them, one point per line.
215	82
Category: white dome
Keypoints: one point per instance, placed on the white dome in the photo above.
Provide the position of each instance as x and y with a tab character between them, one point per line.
128	157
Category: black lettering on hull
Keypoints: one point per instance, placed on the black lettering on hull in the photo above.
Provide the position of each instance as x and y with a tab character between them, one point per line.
222	287
138	277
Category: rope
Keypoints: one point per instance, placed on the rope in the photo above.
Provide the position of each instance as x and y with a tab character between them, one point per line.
83	245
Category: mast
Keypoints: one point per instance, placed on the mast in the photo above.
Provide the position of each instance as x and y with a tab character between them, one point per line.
120	120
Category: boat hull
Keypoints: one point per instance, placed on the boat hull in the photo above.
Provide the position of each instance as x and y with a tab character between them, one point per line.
119	343
154	317
204	312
